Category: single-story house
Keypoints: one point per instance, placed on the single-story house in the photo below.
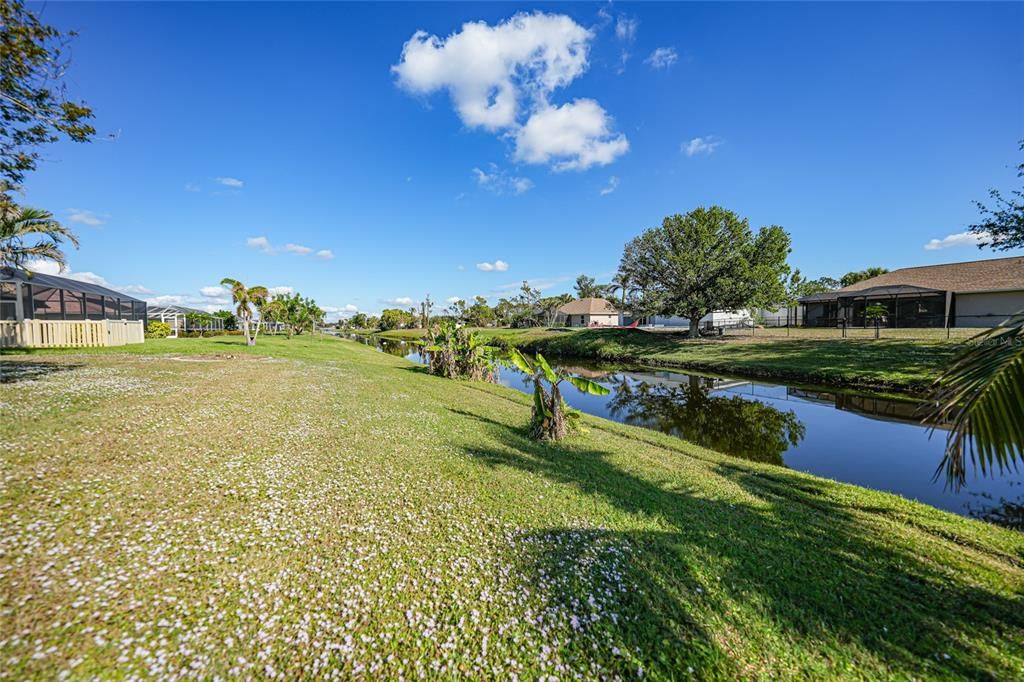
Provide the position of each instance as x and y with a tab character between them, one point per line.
35	296
46	311
588	312
981	293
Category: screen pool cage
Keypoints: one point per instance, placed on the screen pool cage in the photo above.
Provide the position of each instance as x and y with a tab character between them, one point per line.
35	296
183	319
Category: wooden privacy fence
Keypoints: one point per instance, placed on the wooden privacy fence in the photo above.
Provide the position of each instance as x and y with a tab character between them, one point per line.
69	333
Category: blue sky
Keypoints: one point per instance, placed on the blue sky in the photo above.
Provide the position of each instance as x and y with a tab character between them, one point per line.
230	131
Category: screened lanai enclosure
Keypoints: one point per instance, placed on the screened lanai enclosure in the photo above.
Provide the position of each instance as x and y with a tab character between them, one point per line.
38	311
182	319
905	306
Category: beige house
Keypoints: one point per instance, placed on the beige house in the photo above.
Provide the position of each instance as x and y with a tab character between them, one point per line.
981	293
588	312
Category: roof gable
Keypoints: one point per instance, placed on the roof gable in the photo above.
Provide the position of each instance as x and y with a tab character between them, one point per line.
589	306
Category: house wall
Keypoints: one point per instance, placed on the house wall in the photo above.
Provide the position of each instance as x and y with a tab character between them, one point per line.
717	318
604	320
780	317
987	309
607	320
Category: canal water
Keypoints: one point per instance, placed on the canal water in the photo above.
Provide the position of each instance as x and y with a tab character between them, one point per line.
870	440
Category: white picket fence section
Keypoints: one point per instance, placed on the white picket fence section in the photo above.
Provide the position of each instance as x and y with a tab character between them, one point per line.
70	333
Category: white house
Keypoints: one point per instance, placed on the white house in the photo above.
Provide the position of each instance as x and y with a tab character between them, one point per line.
716	319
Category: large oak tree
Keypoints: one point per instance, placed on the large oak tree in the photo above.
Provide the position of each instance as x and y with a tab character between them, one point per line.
706	260
34	108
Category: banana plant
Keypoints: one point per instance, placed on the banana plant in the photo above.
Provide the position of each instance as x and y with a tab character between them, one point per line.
981	397
552	418
456	353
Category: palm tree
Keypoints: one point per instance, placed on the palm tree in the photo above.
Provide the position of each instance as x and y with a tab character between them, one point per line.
620	283
18	223
981	396
245	298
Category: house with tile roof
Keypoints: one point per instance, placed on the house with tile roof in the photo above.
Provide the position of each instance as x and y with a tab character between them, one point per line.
981	293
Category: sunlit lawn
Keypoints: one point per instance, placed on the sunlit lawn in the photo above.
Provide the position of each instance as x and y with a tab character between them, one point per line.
314	508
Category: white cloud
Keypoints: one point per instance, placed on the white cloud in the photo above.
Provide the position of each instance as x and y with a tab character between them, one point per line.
500	182
453	299
958	239
85	217
573	136
486	69
625	28
334	312
261	243
280	291
191	187
213	292
229	182
264	245
168	299
662	58
499	75
47	267
401	300
700	145
460	268
298	249
613	184
210	305
496	266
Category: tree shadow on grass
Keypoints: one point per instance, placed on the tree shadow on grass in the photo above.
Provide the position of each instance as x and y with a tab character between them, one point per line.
624	617
14	372
790	562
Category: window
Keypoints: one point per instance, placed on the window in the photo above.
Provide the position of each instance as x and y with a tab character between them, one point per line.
46	303
8	309
112	309
74	305
93	306
126	310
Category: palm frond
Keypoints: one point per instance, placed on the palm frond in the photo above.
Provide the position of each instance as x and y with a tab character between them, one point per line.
981	397
20	222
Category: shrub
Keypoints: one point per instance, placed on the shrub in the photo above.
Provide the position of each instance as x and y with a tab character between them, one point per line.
457	353
157	329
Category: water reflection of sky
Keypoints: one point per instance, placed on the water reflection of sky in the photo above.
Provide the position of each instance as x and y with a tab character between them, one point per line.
825	432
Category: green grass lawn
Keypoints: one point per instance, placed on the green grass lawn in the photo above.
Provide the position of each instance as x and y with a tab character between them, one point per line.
313	508
884	364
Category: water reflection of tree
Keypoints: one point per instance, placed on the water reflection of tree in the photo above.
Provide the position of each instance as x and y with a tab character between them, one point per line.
744	428
1008	513
396	348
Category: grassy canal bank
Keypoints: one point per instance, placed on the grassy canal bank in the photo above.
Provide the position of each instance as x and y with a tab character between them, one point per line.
312	505
879	364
